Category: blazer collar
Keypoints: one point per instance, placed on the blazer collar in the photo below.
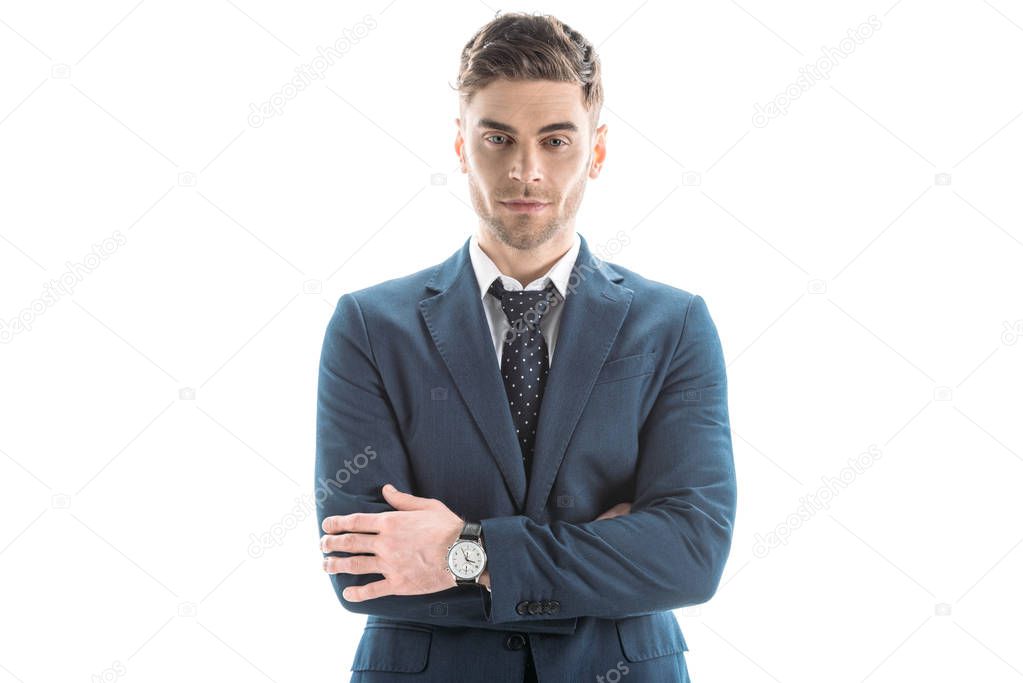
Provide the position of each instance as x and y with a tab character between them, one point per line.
590	322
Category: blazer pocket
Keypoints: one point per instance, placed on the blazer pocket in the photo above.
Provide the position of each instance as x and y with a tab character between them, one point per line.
399	649
650	635
627	366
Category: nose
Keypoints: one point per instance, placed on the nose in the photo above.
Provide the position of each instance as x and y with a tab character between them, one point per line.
526	165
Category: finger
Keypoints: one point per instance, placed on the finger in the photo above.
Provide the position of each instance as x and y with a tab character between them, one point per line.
349	542
376	589
363	522
357	564
619	509
405	501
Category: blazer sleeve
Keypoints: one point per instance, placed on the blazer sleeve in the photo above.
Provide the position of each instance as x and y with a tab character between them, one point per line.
671	549
358	449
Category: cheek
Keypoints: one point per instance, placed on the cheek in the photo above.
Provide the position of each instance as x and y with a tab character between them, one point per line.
568	167
479	156
568	179
483	167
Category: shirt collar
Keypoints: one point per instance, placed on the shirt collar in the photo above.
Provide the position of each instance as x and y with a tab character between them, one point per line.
487	271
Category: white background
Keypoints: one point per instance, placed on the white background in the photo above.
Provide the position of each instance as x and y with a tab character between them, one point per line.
866	302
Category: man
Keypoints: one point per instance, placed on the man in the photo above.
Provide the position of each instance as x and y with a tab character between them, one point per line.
475	418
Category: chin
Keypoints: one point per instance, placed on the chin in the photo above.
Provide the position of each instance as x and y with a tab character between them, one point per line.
526	237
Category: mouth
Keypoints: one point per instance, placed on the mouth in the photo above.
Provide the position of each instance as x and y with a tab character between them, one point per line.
524	206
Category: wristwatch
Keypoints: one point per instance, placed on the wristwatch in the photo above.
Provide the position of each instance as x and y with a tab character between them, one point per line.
466	557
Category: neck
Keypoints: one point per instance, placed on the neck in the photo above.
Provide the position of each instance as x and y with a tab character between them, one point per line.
525	265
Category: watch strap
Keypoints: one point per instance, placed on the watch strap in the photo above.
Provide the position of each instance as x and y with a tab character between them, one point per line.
471	531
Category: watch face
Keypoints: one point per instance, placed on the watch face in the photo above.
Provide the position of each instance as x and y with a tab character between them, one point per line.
465	560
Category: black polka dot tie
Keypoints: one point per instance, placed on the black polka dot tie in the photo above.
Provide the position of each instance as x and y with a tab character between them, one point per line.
524	361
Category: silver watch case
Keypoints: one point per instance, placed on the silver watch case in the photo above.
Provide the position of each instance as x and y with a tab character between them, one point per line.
456	559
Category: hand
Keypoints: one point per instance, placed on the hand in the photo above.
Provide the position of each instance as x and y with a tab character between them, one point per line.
408	546
620	509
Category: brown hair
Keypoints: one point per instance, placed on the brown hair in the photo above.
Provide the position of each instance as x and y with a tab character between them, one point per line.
520	46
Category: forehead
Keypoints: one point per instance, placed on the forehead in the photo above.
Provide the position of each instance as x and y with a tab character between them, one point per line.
527	105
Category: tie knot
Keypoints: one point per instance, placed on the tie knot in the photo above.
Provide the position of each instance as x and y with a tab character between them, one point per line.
525	307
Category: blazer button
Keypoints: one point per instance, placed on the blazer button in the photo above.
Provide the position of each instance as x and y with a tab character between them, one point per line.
515	641
555	607
535	608
522	607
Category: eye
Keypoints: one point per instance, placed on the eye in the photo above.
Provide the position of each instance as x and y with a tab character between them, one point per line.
564	142
494	136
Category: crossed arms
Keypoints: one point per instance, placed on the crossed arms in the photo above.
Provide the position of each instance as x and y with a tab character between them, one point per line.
669	551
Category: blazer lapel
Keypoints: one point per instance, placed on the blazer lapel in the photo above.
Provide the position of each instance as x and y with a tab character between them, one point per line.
458	326
595	309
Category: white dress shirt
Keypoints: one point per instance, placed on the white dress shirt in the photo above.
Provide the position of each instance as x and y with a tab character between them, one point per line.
487	272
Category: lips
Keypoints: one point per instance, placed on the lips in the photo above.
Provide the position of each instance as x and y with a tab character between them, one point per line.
525	206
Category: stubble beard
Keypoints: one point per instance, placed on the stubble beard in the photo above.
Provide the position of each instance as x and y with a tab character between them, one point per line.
518	231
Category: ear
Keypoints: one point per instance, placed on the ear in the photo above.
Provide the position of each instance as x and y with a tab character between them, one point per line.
599	151
460	146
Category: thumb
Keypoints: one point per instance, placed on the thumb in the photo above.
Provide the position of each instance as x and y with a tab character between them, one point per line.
404	501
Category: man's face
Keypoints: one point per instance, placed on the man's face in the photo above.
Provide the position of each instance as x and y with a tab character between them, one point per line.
528	141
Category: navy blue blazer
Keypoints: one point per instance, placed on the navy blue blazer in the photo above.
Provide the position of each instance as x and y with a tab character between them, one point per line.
635	409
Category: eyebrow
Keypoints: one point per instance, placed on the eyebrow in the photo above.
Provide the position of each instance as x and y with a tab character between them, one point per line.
549	128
